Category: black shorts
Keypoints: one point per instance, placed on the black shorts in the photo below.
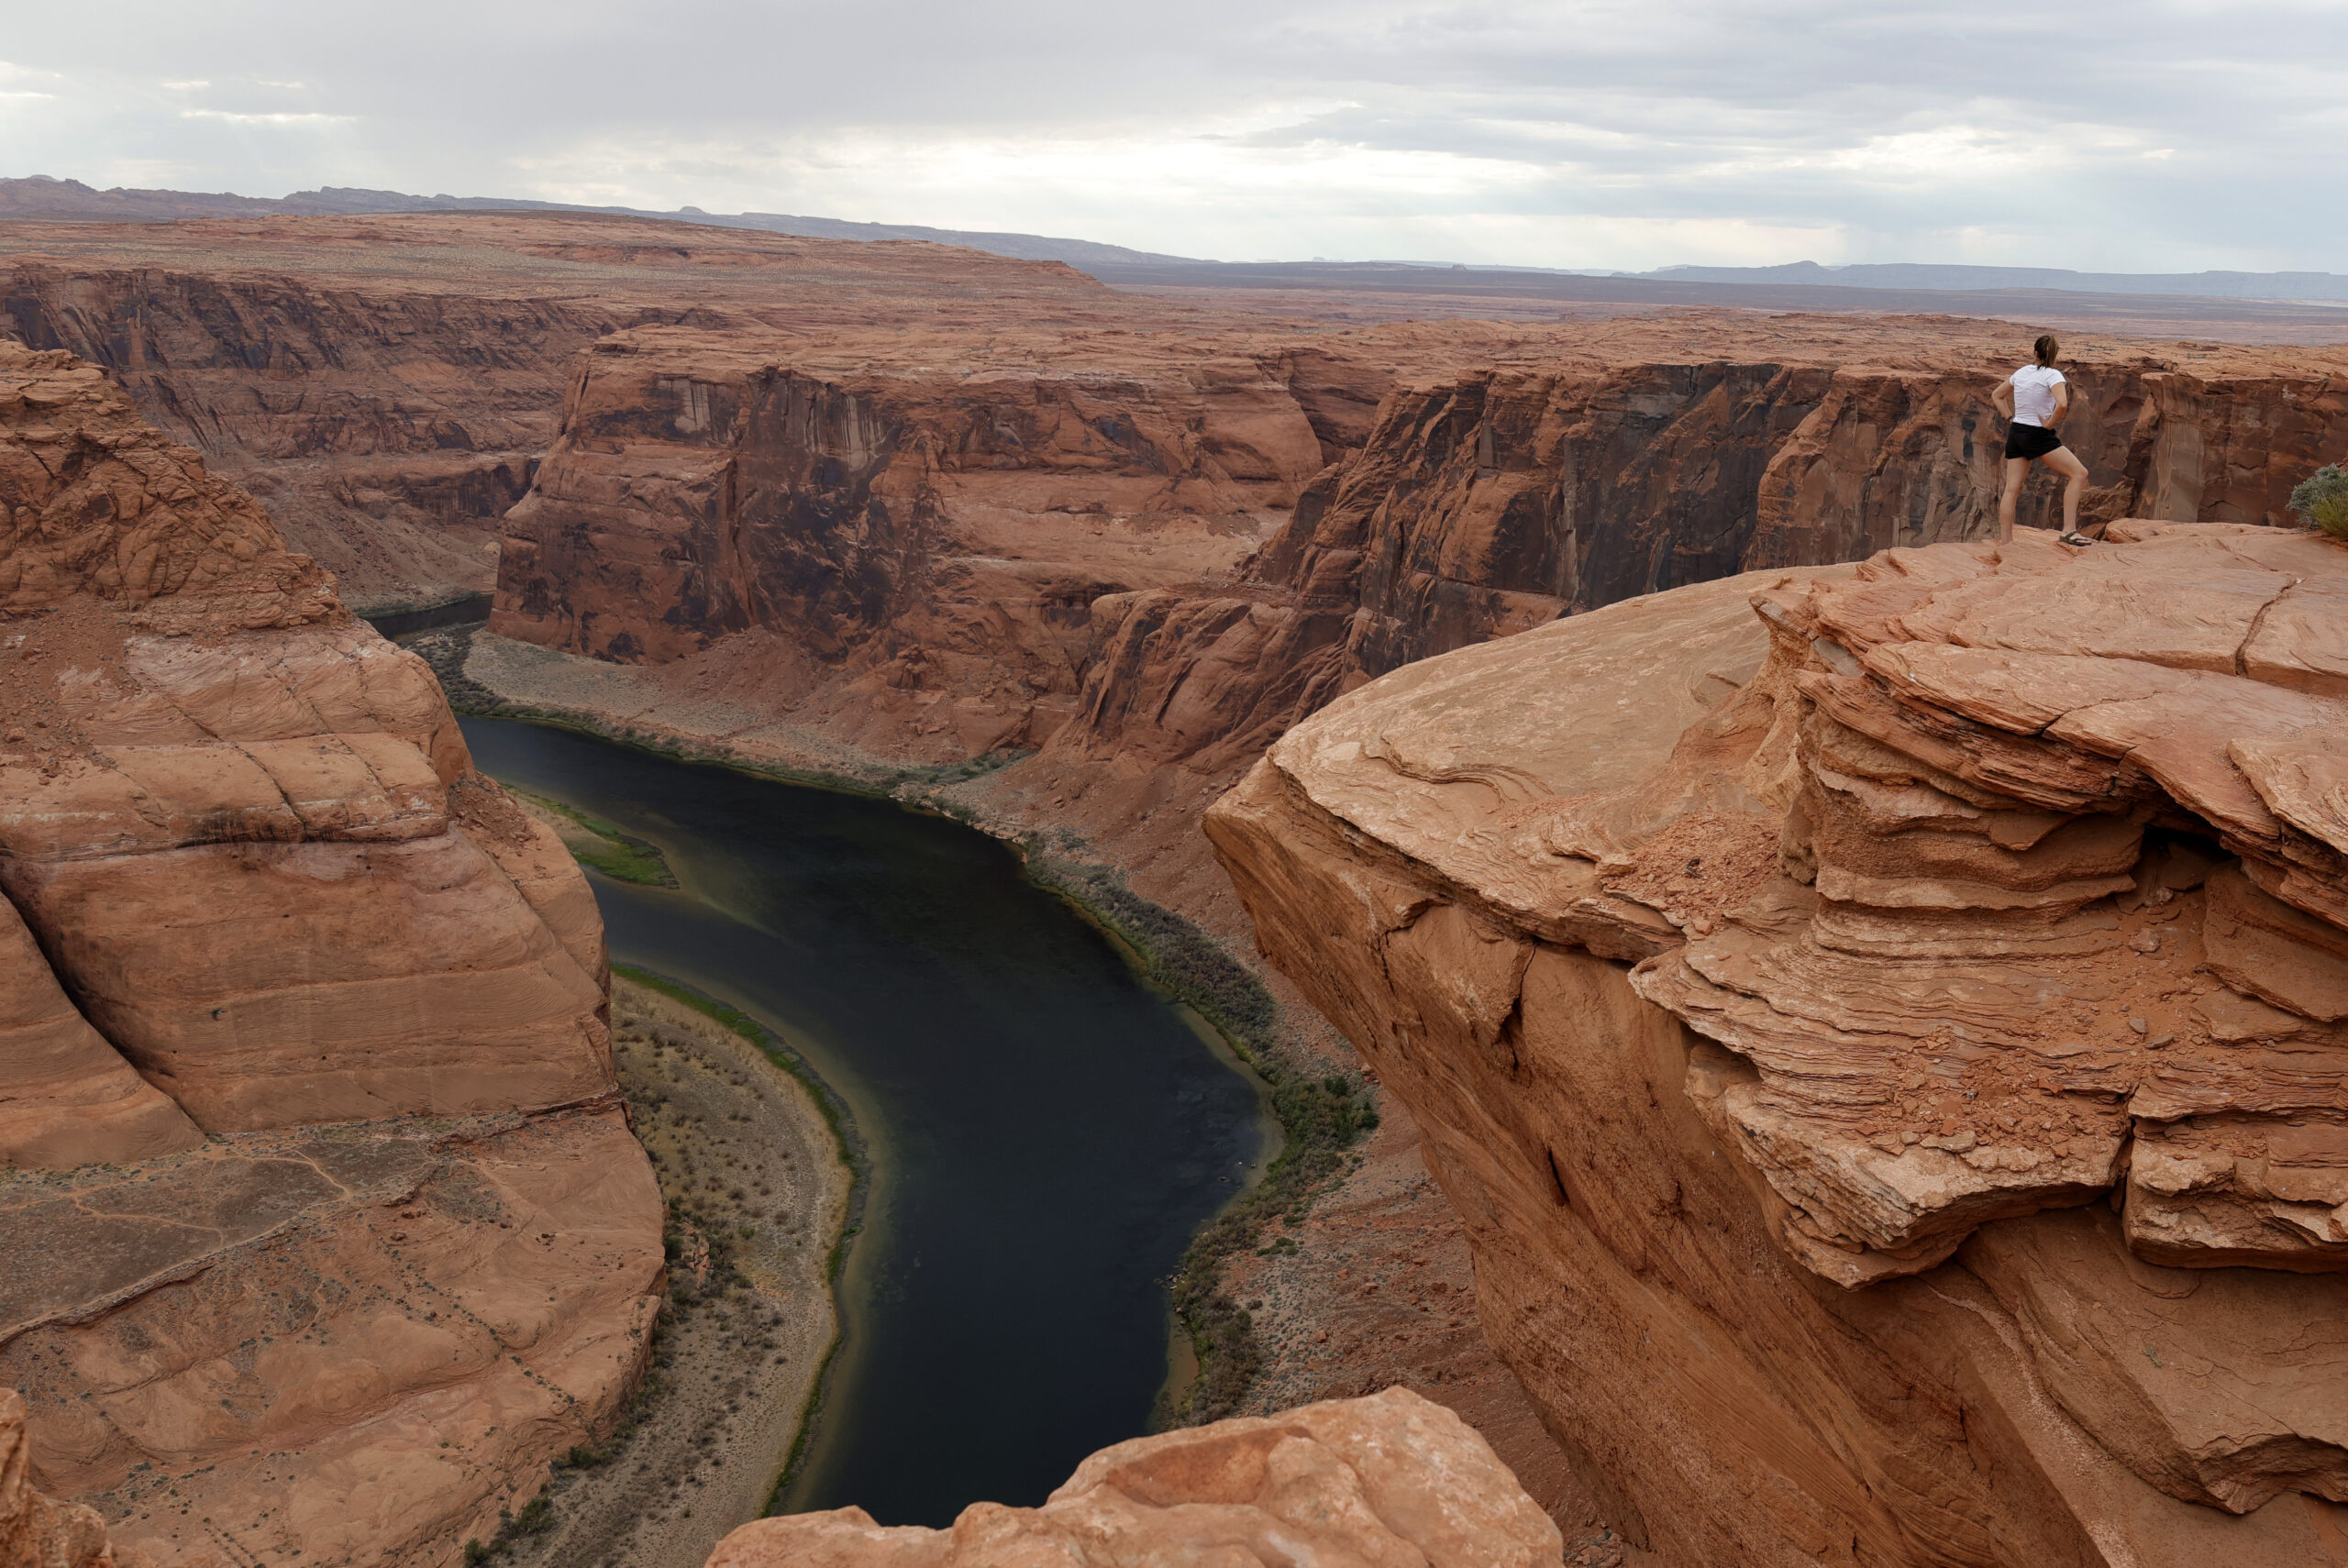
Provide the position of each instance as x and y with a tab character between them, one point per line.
2030	440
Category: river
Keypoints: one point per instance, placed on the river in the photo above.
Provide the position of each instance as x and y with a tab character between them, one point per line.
1045	1132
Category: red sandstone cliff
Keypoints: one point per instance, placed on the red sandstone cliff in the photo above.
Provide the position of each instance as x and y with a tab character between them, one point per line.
1482	506
936	559
900	536
1888	1050
326	1229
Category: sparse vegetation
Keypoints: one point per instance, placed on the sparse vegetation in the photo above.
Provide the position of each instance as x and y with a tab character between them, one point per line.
594	842
1319	1116
2320	501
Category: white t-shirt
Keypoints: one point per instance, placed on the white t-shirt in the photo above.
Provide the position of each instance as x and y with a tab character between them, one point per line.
2035	393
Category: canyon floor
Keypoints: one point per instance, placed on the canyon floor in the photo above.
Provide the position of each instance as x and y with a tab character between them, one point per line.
757	1194
1322	1336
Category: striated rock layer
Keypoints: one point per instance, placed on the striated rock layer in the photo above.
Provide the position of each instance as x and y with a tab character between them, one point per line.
36	1532
1386	1479
1482	505
326	1226
1886	1048
1163	548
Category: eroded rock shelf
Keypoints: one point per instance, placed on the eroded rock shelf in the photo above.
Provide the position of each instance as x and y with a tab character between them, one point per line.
1882	1027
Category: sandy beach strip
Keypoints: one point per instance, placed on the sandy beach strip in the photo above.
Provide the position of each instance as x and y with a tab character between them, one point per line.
757	1187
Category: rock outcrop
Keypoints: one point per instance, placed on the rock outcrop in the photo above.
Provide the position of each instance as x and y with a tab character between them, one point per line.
326	1226
900	536
36	1532
1386	1479
1481	506
1886	1048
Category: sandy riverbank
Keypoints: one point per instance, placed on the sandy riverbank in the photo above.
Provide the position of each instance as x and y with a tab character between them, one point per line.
757	1190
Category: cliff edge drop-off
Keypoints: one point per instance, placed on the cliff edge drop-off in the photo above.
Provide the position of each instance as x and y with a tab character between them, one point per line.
1880	1024
1884	1028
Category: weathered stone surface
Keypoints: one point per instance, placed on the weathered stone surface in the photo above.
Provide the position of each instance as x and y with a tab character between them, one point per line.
1389	1479
97	504
961	522
1483	504
174	805
36	1532
254	888
357	1342
1936	912
67	1098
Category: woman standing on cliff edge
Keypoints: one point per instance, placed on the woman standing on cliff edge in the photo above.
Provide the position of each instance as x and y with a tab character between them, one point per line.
2036	399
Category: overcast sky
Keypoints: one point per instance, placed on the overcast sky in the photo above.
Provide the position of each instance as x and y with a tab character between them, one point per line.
2152	137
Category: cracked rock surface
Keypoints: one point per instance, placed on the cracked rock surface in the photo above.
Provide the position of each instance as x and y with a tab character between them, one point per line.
324	1227
1883	1027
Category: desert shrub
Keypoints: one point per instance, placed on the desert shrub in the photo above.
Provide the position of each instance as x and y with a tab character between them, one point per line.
2321	501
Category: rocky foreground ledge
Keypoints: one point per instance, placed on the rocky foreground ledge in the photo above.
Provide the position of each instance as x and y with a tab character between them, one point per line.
1393	1478
1884	1027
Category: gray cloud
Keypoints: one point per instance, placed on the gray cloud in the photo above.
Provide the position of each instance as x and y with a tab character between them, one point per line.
2164	137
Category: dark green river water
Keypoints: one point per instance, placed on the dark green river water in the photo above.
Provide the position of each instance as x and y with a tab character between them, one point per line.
1045	1132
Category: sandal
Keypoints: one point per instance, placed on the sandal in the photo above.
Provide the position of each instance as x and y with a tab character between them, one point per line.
2072	538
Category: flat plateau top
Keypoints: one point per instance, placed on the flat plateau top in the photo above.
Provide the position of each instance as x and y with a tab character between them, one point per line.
960	304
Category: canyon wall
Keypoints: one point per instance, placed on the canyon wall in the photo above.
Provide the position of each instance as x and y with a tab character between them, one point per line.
1888	1048
386	385
386	431
1484	506
1188	550
899	534
325	1224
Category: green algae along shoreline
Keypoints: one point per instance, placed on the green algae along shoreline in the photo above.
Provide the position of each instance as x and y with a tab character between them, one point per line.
1321	1116
854	1155
761	1176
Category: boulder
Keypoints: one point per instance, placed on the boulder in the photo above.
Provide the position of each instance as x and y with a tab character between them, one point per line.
1390	1479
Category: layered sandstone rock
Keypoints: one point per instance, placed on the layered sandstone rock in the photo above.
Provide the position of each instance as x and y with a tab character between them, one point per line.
386	384
1386	1479
1481	506
1884	1048
254	889
36	1532
911	534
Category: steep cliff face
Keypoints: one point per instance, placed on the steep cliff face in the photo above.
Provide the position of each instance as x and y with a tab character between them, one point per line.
254	889
1883	1049
386	384
1478	507
1391	1478
909	536
387	430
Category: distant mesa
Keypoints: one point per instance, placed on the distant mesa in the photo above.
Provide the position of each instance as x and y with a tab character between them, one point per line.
40	196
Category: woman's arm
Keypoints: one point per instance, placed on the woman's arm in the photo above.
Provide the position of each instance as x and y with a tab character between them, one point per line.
2061	405
2003	398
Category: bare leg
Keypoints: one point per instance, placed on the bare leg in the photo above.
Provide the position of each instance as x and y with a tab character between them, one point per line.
2015	469
2074	482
